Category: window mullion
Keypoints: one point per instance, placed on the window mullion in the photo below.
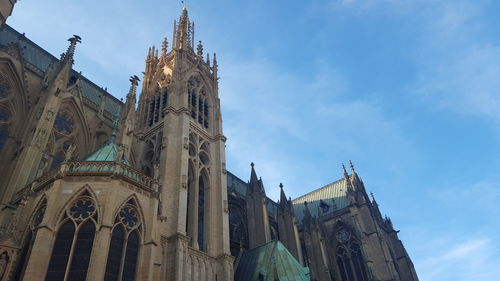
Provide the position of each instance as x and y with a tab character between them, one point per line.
124	252
70	257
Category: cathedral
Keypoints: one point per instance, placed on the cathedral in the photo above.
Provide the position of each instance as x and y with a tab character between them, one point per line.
95	188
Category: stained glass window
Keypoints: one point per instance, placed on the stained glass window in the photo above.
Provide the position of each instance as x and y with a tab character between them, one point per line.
82	209
63	124
128	217
74	258
350	263
115	254
57	160
201	214
130	262
61	251
83	249
124	245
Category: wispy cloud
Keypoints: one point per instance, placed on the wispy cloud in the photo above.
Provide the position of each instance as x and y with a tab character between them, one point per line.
283	121
459	66
461	260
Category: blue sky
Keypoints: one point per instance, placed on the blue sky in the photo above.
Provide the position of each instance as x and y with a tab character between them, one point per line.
407	89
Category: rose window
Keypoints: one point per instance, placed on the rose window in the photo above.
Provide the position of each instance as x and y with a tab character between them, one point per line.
343	236
63	124
128	216
82	209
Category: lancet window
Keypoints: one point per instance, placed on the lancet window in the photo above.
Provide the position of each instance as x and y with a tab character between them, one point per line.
5	112
349	257
65	134
158	102
124	246
238	233
72	250
28	241
198	185
198	101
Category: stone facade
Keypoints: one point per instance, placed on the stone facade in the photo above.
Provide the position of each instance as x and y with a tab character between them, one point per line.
94	188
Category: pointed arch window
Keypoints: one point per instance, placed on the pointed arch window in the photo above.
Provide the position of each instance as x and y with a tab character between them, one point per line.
349	257
72	250
201	212
124	246
198	101
25	253
5	120
238	234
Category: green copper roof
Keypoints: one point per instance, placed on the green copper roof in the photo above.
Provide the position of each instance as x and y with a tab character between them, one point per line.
106	153
270	262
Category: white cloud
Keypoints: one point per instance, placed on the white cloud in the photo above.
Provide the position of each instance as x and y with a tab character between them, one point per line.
458	67
271	112
463	259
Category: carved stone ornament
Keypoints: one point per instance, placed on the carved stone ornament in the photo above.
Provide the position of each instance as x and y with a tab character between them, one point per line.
343	236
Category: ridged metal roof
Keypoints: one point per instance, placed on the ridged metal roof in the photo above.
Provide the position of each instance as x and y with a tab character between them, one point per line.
273	262
322	201
41	59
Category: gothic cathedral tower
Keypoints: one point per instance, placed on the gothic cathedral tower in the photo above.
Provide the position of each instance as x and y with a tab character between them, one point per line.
180	143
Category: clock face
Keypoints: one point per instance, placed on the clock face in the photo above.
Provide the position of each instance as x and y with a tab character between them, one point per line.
343	236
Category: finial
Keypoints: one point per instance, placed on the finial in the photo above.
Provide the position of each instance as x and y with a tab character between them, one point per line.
345	171
115	129
71	49
200	50
252	164
164	46
373	197
134	82
352	166
281	185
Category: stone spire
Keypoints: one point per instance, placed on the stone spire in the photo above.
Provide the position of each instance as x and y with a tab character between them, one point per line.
283	200
199	50
259	231
60	78
164	47
183	31
127	118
